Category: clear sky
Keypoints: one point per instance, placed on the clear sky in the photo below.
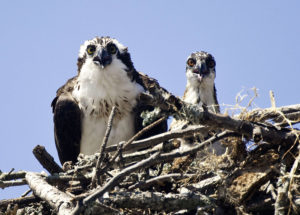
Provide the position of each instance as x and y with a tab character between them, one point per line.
255	43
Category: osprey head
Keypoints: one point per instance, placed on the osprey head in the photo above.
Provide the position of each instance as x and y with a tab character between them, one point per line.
200	68
104	52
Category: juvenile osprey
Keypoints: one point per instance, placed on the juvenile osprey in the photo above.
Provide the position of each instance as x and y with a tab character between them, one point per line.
200	89
106	78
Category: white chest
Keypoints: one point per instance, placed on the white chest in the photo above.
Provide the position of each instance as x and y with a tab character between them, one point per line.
97	91
201	95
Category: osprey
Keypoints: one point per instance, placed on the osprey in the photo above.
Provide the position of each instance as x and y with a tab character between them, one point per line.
106	78
200	90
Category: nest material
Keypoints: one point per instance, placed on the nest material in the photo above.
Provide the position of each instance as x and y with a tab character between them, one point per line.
258	173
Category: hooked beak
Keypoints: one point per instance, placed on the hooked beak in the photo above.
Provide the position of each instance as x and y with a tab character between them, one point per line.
103	58
201	71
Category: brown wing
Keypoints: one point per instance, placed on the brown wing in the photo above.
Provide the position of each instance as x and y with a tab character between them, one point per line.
67	123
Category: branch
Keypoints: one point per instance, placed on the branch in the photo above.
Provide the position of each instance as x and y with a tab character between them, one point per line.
46	160
127	145
156	139
159	179
96	177
204	184
271	113
12	175
114	181
23	200
292	176
167	102
159	201
54	197
195	115
4	184
151	161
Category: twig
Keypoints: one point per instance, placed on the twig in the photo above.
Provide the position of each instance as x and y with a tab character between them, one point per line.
136	136
96	177
281	203
157	139
169	177
204	184
291	177
271	113
139	155
4	184
12	169
293	118
141	132
61	178
23	200
168	202
12	175
167	102
26	193
54	197
272	98
195	115
152	160
113	182
46	160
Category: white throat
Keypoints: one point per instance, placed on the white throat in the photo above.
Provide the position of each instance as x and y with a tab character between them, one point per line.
201	93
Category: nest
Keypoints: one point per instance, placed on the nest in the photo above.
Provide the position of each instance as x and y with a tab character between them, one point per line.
257	174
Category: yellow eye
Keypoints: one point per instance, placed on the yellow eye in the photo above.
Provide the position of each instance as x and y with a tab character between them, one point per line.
191	62
112	49
91	49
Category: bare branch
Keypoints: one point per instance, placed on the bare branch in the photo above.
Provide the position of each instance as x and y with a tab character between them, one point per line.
136	136
159	201
157	139
96	177
46	160
19	201
5	184
54	197
12	175
159	179
204	184
152	160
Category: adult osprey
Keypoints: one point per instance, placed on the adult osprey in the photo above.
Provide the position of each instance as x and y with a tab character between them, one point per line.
106	78
200	90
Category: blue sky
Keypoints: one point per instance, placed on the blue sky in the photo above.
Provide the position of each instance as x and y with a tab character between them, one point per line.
255	43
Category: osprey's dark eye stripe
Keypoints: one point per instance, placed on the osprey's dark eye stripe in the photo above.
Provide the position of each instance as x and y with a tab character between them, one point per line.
211	63
91	49
191	62
111	48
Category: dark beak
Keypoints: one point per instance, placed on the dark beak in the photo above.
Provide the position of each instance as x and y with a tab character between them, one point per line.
103	58
201	69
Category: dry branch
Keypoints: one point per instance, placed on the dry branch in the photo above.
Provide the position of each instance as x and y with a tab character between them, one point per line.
19	201
158	179
96	177
151	161
271	113
158	201
57	199
46	160
195	115
204	184
12	175
5	184
157	139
